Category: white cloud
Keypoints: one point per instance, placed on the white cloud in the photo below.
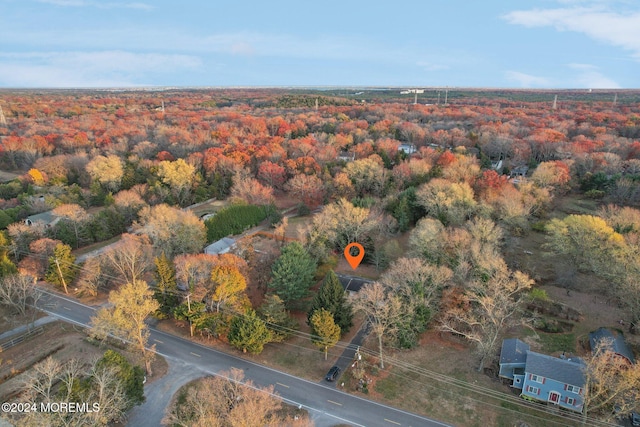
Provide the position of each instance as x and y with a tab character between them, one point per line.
100	5
87	69
598	21
589	77
242	48
526	80
238	43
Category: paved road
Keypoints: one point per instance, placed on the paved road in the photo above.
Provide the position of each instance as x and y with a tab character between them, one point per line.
159	393
326	405
352	283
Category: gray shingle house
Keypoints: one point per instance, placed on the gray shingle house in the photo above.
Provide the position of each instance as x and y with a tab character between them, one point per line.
558	381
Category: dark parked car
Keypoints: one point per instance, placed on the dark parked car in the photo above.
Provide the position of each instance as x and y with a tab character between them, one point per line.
332	374
635	419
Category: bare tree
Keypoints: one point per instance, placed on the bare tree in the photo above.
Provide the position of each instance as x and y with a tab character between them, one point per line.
383	310
229	400
109	392
612	384
22	235
16	291
51	381
131	257
415	277
91	277
484	309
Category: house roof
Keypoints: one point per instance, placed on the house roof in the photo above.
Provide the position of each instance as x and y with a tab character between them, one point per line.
618	344
219	246
407	148
513	351
566	371
44	217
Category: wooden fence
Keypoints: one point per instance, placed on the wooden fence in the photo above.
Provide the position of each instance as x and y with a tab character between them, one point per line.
20	338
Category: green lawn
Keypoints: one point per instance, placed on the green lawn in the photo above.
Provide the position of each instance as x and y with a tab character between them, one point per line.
552	343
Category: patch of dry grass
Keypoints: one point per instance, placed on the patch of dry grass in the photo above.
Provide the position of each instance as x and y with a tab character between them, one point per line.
63	342
444	384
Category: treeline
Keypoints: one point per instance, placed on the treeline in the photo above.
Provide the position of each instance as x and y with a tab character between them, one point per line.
235	219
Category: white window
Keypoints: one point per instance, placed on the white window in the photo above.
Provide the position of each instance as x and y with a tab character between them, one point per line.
537	378
533	390
573	389
571	400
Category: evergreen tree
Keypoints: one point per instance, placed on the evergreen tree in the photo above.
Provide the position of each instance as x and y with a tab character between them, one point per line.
131	376
333	298
325	332
277	317
5	220
292	274
61	269
249	333
166	285
6	266
191	311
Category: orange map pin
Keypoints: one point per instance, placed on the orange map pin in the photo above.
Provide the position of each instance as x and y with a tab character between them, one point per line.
354	261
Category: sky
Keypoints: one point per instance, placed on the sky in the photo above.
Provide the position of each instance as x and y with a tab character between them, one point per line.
588	44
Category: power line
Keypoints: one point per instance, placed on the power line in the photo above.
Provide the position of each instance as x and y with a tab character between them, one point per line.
414	371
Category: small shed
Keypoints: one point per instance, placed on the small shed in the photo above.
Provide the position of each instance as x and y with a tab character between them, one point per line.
614	341
221	246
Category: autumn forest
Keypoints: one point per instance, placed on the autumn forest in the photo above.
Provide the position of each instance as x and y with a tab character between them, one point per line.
467	206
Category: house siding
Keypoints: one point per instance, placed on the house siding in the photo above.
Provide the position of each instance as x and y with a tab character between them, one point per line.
553	380
507	370
549	386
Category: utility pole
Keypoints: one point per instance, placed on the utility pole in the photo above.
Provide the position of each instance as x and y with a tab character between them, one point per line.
446	96
189	314
64	283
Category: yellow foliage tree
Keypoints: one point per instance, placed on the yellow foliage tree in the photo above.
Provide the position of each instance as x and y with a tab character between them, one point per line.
325	331
130	306
229	284
36	176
